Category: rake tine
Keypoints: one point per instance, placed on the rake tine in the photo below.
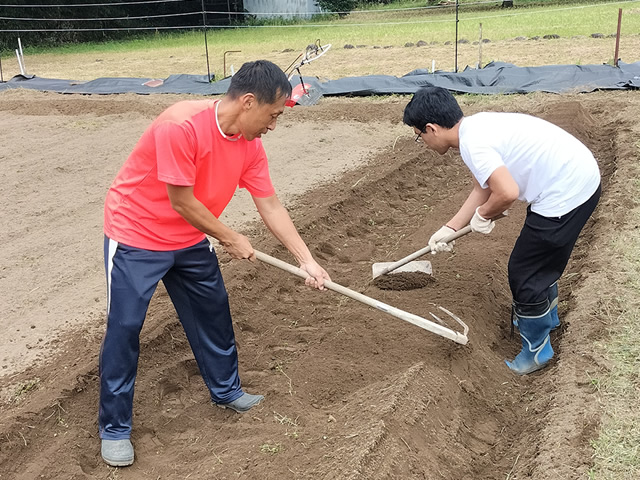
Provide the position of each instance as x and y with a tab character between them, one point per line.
438	319
456	318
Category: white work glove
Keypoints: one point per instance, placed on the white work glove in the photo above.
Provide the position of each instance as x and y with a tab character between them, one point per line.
436	243
480	224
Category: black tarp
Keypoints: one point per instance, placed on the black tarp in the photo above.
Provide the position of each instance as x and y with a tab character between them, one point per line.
495	78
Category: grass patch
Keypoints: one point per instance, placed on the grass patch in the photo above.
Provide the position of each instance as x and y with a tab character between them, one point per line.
392	24
271	448
617	449
24	388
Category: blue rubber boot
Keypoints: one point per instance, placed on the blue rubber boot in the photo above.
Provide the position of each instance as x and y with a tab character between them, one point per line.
553	305
534	330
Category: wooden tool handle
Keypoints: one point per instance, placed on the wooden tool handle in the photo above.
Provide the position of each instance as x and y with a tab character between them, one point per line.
423	251
393	311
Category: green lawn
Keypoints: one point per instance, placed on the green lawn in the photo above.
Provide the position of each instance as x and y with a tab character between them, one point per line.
394	23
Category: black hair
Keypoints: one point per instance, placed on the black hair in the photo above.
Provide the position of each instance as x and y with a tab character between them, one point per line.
262	78
432	105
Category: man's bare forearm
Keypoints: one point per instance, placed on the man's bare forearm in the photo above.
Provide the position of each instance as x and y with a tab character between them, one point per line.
278	221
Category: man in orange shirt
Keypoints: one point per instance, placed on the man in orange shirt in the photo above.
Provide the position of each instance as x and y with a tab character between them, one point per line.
170	192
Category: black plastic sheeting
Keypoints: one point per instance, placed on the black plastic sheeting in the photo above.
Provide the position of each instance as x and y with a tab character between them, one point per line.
495	78
197	84
498	78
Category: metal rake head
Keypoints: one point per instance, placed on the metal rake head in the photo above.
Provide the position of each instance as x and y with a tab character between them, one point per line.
455	317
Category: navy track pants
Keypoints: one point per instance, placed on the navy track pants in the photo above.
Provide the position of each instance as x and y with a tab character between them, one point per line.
193	280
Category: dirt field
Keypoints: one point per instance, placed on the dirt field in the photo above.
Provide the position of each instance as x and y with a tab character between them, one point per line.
350	392
387	59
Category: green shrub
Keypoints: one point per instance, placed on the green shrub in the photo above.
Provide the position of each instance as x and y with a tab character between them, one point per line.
337	5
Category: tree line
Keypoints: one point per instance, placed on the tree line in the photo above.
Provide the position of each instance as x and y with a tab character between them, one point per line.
48	22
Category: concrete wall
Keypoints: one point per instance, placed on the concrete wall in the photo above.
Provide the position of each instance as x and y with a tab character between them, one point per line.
287	8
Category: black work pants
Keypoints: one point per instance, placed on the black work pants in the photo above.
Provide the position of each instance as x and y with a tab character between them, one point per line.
542	251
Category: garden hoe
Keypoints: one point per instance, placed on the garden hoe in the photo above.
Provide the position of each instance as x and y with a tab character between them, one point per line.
437	328
407	266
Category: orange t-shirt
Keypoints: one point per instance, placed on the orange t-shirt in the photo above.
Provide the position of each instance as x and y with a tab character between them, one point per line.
184	146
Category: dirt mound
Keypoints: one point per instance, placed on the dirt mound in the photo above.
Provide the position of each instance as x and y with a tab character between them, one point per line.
350	392
23	102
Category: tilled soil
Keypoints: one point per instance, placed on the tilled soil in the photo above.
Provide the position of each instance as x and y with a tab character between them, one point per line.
350	391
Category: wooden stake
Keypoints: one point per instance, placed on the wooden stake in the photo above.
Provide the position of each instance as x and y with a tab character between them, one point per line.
456	59
19	62
480	49
22	55
615	56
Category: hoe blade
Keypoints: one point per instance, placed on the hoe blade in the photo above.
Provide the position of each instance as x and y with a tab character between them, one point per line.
421	266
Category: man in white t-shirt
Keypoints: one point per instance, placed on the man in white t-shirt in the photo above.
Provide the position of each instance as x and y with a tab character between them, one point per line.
513	157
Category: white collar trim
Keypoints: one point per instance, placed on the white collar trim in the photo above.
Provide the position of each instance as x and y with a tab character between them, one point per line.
230	138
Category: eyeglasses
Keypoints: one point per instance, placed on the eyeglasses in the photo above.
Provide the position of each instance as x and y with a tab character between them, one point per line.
418	138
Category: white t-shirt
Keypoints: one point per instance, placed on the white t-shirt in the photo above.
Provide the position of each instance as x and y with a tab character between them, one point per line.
554	170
